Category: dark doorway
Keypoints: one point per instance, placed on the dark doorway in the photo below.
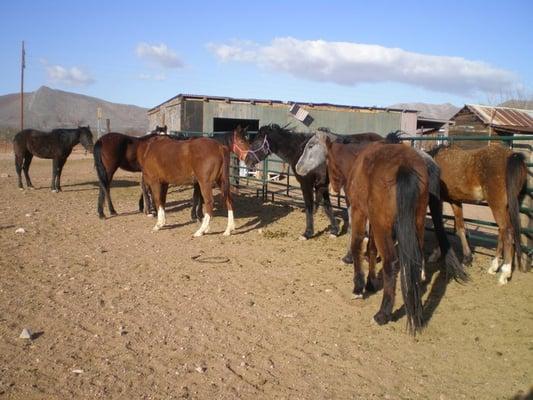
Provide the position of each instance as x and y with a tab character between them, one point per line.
229	124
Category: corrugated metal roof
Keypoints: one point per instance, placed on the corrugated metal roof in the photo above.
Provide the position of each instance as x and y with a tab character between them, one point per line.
503	117
304	104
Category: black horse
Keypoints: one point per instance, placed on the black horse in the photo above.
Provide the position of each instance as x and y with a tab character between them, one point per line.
289	145
56	145
116	150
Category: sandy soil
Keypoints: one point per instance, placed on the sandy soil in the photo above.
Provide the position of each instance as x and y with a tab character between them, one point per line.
121	312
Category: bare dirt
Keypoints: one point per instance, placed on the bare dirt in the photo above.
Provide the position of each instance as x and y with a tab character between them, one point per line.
120	312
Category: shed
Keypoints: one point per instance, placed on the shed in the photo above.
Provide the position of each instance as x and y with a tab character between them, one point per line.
475	119
197	113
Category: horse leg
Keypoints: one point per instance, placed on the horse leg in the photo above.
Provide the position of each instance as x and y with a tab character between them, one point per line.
495	264
60	164
54	174
358	236
18	167
385	247
348	258
197	203
26	167
207	194
112	210
307	191
505	240
159	192
334	227
460	227
229	206
373	282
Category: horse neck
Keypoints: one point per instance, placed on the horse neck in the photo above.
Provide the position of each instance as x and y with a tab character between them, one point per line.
288	146
71	137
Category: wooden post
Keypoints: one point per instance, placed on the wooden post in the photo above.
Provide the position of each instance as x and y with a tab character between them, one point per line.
108	125
22	66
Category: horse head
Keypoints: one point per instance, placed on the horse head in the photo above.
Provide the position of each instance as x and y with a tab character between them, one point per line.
239	143
86	138
315	153
260	147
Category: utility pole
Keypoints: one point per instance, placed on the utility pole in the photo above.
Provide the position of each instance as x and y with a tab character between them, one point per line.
22	66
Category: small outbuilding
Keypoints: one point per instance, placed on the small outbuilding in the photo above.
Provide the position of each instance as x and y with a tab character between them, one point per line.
475	119
195	113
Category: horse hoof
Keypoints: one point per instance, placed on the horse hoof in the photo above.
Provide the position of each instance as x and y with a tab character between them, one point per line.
156	228
381	318
113	213
372	286
197	234
333	236
467	260
347	259
55	191
357	296
101	216
302	237
503	280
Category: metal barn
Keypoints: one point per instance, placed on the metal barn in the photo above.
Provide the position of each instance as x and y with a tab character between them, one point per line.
194	113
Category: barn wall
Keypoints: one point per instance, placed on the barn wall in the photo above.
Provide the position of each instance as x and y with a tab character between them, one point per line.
340	121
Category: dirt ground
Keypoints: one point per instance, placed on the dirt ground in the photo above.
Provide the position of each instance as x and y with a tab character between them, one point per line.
118	311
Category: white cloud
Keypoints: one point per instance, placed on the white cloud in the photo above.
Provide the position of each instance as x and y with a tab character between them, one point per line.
73	76
152	77
347	63
159	54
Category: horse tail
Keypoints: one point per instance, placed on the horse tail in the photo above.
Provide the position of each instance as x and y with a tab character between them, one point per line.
99	165
225	175
409	251
516	174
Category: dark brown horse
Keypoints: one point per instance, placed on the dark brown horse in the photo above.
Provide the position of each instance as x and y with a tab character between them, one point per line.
289	145
57	145
494	174
116	150
201	160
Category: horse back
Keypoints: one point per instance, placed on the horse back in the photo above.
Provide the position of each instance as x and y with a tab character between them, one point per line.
468	175
373	177
39	143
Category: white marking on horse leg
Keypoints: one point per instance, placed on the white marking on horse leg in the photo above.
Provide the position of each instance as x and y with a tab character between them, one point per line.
231	224
364	245
494	266
161	220
505	275
204	227
423	271
435	255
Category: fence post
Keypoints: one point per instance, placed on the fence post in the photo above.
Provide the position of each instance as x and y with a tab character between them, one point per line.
265	179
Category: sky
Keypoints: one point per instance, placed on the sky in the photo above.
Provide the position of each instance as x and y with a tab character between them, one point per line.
365	53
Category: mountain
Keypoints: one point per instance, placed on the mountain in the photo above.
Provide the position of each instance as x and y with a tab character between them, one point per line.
435	111
48	108
521	104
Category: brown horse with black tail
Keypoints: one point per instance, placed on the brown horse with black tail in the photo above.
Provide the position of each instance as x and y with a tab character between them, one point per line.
57	145
200	160
493	174
116	150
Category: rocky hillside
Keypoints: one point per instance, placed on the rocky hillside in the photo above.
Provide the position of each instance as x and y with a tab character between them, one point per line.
49	108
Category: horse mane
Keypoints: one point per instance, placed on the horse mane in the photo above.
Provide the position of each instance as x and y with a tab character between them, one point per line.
395	137
435	150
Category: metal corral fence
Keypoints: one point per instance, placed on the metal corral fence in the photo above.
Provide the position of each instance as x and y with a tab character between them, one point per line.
274	181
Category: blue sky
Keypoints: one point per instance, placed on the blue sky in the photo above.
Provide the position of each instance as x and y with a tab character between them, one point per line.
361	53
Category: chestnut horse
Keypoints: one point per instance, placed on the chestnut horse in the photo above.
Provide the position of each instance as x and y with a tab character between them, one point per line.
494	174
116	150
57	145
200	160
388	187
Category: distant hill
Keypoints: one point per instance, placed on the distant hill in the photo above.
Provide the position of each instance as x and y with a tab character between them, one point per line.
48	108
436	111
521	104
